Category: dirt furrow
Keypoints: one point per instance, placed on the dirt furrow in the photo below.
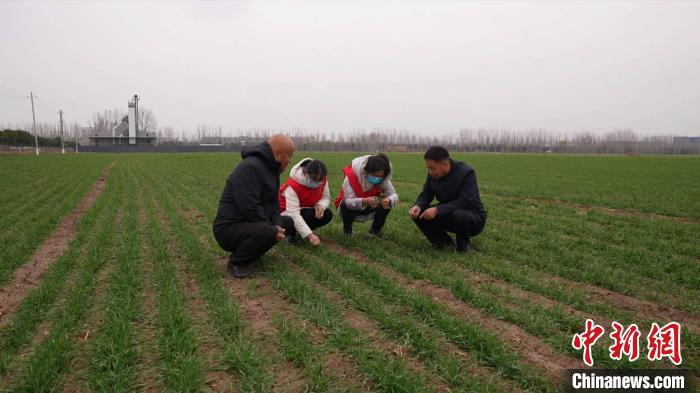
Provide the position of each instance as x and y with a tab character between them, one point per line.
29	274
82	333
255	310
643	309
209	348
76	374
372	331
339	365
286	376
531	348
521	294
602	209
147	377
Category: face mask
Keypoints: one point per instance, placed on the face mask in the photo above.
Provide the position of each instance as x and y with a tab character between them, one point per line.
374	180
312	183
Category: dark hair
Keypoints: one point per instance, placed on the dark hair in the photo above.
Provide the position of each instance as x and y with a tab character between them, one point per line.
315	169
377	163
436	153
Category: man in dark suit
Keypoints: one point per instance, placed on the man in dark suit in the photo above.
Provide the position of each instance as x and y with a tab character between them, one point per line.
459	209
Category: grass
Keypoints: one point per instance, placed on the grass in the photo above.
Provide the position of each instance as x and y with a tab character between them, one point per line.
94	228
182	368
540	240
29	218
389	374
241	354
43	368
114	351
296	346
486	347
344	337
422	340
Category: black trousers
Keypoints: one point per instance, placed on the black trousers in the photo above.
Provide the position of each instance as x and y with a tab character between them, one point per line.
248	241
463	223
349	216
309	216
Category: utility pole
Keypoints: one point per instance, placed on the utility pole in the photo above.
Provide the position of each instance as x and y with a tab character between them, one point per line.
136	116
60	115
36	138
76	140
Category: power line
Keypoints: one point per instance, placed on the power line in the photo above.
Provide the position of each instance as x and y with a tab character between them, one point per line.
11	92
11	95
14	93
10	89
44	104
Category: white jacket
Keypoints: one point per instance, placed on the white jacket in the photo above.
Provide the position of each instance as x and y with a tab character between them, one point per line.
293	209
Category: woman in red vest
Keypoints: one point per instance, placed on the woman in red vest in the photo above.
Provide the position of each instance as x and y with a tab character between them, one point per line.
305	198
367	193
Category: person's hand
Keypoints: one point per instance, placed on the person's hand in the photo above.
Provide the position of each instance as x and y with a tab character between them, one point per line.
429	213
370	201
319	211
313	239
280	233
414	212
386	203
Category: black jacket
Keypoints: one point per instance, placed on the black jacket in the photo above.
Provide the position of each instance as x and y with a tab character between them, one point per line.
458	190
250	194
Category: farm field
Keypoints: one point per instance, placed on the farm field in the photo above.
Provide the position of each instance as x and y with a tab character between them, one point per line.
111	280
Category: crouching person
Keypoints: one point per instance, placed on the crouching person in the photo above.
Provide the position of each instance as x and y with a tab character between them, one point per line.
248	222
305	197
459	209
367	193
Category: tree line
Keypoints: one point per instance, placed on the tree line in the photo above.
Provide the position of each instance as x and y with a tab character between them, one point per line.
24	138
467	140
623	141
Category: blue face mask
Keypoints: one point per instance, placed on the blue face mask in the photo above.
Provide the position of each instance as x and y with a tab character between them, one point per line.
312	183
374	180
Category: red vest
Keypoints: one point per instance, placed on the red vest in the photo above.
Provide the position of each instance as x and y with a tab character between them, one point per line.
356	187
308	197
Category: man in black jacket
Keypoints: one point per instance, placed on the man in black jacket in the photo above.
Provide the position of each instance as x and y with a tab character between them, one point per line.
459	209
248	222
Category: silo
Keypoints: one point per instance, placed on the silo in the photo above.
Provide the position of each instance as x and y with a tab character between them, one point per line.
133	119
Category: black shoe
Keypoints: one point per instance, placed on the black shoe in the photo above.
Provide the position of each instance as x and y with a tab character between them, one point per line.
443	246
347	231
462	243
242	270
378	234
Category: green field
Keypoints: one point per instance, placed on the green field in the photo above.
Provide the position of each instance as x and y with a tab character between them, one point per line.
141	301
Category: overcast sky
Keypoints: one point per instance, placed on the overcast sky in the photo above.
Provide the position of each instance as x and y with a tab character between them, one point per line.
429	67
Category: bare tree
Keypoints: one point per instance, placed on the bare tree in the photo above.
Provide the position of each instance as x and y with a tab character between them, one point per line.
103	122
168	133
147	120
